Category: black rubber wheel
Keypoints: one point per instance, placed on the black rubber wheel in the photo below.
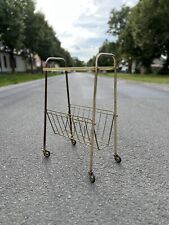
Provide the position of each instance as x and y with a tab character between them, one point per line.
117	158
46	153
73	142
92	178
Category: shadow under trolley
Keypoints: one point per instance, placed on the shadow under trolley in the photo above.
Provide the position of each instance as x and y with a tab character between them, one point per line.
88	125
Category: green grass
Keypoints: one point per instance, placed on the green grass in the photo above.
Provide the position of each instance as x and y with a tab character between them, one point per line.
150	78
15	78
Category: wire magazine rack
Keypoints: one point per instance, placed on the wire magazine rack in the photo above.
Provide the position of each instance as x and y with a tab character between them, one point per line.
88	125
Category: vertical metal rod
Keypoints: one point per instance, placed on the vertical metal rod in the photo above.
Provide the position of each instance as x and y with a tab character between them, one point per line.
104	126
87	132
96	140
51	123
115	109
99	121
93	122
81	130
45	113
110	130
69	107
54	122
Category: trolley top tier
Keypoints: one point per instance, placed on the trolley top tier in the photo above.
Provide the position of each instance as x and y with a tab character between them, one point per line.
76	69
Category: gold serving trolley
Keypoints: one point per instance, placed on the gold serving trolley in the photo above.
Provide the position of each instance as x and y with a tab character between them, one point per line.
88	125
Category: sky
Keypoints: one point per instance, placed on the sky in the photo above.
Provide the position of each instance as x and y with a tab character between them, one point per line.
80	25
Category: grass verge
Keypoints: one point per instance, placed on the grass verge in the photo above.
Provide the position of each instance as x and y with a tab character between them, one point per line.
150	78
15	78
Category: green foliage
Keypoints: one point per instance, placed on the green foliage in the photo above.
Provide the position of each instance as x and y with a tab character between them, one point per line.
12	14
150	30
142	32
118	19
77	62
40	38
67	57
91	62
12	24
148	78
108	47
23	30
16	78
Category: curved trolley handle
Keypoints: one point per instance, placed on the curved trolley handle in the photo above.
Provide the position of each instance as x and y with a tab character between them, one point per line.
54	58
106	54
47	153
94	108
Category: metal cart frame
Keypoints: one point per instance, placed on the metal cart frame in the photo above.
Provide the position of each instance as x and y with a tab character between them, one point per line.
82	128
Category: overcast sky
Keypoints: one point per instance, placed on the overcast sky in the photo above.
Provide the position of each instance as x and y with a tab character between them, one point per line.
80	25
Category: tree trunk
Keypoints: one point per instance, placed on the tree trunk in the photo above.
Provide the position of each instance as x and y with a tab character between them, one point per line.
41	67
145	69
31	63
12	60
165	69
130	65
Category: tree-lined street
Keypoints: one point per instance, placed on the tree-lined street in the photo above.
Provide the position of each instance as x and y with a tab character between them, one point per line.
35	190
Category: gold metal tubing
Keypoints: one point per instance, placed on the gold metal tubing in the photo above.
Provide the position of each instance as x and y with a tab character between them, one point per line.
93	122
94	108
45	113
69	106
79	69
46	98
115	112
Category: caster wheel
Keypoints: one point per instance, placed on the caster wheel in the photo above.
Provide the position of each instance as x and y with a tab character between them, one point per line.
117	158
92	177
46	153
73	142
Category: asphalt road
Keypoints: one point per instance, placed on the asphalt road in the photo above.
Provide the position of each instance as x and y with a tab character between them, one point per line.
57	191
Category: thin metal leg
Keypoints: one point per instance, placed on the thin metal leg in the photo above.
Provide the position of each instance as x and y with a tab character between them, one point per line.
45	113
96	140
115	113
45	152
115	135
116	156
93	126
69	108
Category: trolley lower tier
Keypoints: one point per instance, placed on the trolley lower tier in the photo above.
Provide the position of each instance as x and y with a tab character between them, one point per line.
77	125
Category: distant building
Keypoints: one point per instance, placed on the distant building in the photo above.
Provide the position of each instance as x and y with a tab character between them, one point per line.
21	64
158	63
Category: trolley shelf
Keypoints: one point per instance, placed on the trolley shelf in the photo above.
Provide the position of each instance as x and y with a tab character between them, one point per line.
81	118
91	126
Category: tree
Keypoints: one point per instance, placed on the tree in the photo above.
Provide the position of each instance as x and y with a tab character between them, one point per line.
108	47
41	39
149	21
118	20
143	33
161	21
66	55
91	61
12	26
127	49
77	62
119	27
23	30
